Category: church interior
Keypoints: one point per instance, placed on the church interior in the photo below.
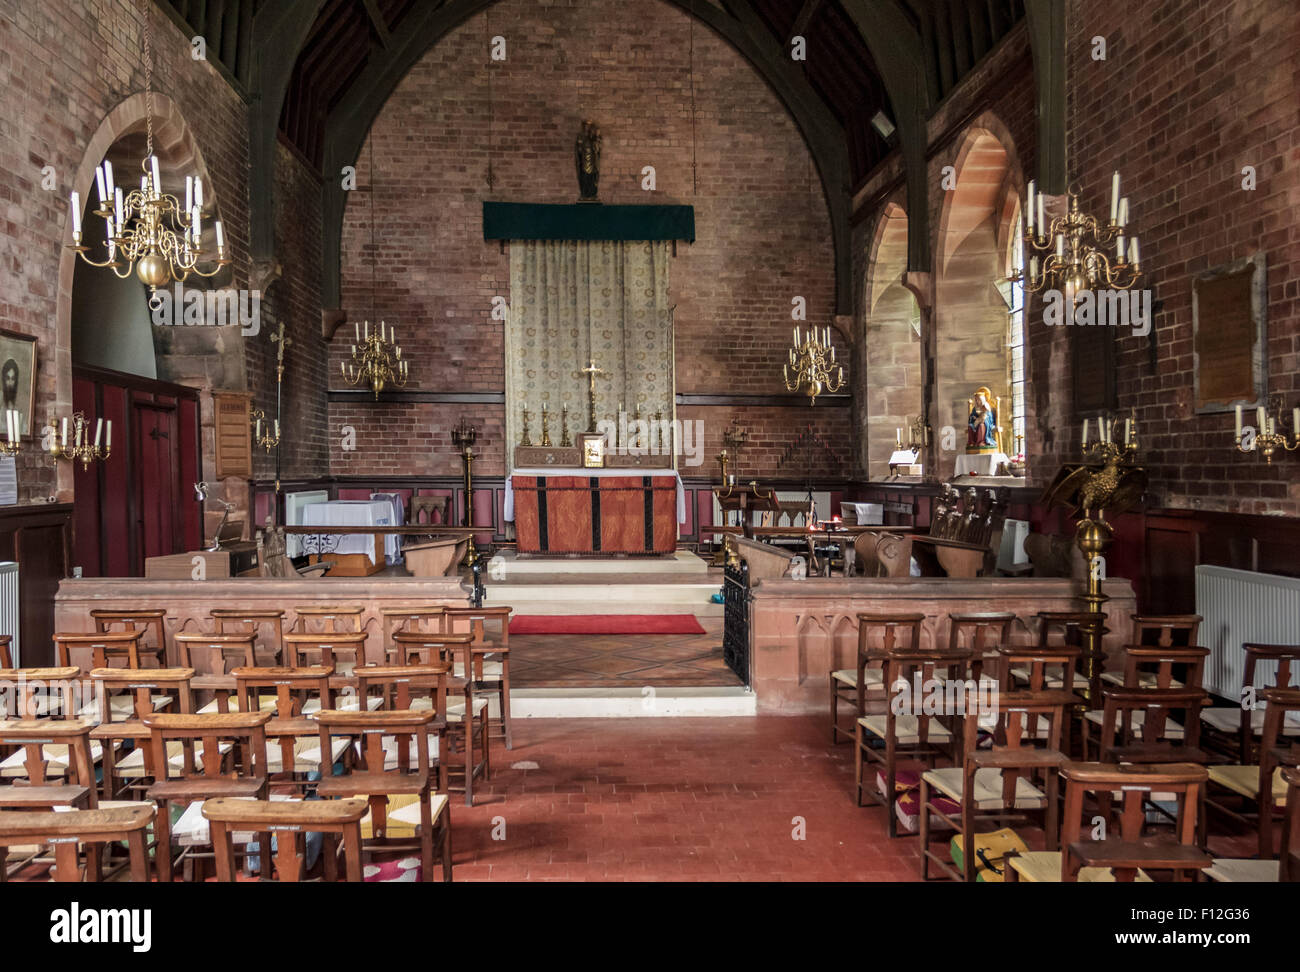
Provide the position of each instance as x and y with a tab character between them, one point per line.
516	440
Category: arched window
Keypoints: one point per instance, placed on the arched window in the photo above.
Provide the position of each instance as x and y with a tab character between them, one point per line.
1016	347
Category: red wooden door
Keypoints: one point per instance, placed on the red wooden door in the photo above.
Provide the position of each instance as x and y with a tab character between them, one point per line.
155	445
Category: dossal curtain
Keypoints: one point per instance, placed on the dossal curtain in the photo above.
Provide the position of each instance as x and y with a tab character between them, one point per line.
572	301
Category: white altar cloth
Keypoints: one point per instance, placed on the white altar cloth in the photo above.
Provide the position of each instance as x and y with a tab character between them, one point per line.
359	513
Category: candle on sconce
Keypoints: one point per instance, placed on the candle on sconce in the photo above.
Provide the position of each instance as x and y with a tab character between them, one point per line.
1042	224
108	436
100	186
189	193
343	367
257	429
1295	421
221	236
1238	421
366	330
277	429
76	214
1123	211
1272	426
1114	197
157	180
1259	419
64	437
1029	206
1128	431
356	328
99	430
1060	246
1085	433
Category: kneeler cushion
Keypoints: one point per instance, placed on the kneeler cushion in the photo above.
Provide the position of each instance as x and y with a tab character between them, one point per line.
408	869
908	808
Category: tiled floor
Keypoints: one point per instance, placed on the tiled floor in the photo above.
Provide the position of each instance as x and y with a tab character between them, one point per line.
556	661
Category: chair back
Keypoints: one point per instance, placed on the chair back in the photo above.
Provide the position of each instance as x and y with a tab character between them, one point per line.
324	648
1166	630
290	821
234	745
1286	675
368	731
1128	850
1126	739
430	648
398	687
149	689
910	681
150	622
219	650
292	688
99	646
1042	664
328	617
33	737
40	693
232	621
1160	665
1063	627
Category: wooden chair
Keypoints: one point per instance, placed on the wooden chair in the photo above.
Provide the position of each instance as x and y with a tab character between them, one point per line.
1287	867
100	646
231	763
69	831
1136	726
1234	729
151	623
1260	787
1036	669
1131	854
467	717
220	653
982	633
293	753
54	764
148	691
853	685
906	733
996	784
290	821
393	762
490	659
419	688
42	692
324	648
234	621
1154	668
328	617
1158	631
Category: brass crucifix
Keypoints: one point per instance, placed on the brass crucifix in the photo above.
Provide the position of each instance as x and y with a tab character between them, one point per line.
591	371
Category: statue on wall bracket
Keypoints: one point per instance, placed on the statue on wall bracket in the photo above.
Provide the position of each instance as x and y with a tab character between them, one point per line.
586	158
982	425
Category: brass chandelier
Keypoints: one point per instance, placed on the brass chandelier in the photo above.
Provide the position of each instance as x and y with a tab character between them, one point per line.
376	359
145	229
1081	253
812	364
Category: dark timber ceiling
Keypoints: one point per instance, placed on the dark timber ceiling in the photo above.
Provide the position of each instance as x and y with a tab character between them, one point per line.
347	35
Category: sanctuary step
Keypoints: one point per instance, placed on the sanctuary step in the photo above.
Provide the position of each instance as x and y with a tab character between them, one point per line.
632	703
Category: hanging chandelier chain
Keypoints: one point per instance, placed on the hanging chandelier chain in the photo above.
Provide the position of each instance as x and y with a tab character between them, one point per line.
148	79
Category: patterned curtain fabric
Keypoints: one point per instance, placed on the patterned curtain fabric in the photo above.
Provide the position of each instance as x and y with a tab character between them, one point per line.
571	301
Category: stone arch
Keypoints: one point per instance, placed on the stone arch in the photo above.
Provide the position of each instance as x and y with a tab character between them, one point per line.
891	341
177	147
970	310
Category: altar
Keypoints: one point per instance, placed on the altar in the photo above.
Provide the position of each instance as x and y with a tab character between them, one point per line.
595	511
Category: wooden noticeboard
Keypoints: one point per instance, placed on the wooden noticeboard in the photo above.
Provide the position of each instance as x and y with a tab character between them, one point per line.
232	435
1229	308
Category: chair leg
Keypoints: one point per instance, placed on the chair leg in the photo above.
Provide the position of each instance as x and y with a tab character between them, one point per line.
139	849
446	844
426	839
162	831
487	745
835	713
505	703
352	852
467	725
857	763
925	830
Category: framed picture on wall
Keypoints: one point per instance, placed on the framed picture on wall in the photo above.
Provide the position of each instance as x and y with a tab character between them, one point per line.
1230	335
18	377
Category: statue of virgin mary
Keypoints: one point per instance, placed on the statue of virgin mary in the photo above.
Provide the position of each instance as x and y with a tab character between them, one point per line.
982	425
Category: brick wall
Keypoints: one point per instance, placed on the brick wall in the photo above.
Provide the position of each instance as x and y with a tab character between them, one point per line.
762	228
1189	94
64	68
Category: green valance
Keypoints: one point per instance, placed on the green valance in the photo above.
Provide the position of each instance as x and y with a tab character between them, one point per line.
586	221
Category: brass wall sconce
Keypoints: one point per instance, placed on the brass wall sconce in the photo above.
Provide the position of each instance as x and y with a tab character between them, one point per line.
14	433
271	438
1267	439
79	448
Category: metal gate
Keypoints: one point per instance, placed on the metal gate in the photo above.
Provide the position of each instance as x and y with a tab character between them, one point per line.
735	620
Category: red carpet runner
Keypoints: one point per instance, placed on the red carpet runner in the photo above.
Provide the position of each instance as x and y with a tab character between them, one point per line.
604	624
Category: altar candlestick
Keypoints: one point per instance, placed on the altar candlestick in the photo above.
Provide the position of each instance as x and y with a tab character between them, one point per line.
1238	421
898	438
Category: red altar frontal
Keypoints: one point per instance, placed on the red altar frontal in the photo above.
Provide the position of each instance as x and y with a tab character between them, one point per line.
594	512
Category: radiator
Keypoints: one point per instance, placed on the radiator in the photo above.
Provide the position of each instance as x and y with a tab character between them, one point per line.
1241	606
294	504
9	605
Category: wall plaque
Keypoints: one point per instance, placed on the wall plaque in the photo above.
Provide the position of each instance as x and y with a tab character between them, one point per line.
1229	331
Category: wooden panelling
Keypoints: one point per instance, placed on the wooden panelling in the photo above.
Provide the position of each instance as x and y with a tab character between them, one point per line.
234	442
38	538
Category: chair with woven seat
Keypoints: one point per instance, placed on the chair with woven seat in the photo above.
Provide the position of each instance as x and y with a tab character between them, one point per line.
983	633
418	688
231	761
289	821
1260	788
150	623
40	693
466	712
1154	668
1134	853
997	784
212	656
1062	629
325	648
490	657
53	765
256	621
295	692
97	648
146	691
1158	631
853	685
1232	730
908	729
1287	867
68	832
392	773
